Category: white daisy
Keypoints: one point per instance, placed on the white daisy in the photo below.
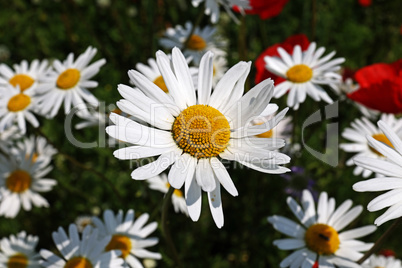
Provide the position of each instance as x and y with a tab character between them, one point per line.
382	262
41	151
82	222
360	128
19	251
160	183
391	168
201	41
17	106
190	132
151	71
128	236
212	7
23	75
87	251
304	73
318	238
21	181
69	83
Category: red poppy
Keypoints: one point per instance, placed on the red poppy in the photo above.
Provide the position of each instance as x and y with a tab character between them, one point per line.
387	252
264	8
287	45
380	87
365	3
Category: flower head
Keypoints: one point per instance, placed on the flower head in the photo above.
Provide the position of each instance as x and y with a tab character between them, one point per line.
357	133
320	236
192	132
128	235
201	41
391	167
68	83
304	74
24	76
85	251
382	262
18	107
19	251
264	8
21	182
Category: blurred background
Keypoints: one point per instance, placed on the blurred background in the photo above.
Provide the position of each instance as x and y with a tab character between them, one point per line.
126	33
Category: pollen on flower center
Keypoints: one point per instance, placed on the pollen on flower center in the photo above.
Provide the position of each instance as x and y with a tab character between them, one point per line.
18	181
18	102
161	83
382	138
322	239
196	42
299	73
68	79
201	131
78	262
176	192
120	242
18	260
23	80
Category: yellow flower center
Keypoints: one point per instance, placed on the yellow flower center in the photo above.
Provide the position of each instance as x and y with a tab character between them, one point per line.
18	181
382	138
201	131
18	260
176	192
196	42
322	239
68	79
299	73
78	262
120	242
23	80
18	102
161	83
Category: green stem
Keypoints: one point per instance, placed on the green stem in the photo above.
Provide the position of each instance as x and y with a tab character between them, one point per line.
380	241
165	226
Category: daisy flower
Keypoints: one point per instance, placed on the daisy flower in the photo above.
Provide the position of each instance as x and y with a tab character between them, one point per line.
17	106
212	7
23	75
304	73
128	236
318	237
86	251
151	71
360	128
19	251
390	166
160	183
41	151
82	222
201	41
21	181
382	262
192	133
69	83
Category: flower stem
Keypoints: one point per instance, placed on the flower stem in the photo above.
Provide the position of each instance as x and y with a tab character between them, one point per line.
380	241
165	227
